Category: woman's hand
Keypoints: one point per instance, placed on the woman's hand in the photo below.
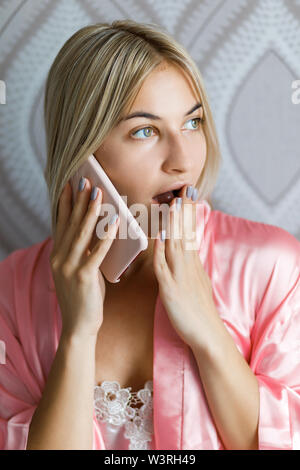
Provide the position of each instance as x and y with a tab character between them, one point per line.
184	287
79	283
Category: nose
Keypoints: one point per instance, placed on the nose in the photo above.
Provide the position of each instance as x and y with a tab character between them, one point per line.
178	155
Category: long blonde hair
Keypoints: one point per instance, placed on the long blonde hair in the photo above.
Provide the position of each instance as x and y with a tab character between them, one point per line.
94	78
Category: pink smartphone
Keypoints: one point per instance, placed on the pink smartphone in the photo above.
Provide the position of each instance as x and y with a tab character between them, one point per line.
123	251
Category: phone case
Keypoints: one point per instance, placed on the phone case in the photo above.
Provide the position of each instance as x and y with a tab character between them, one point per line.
123	251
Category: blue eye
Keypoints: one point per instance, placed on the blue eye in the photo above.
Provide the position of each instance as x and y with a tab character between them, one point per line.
145	128
196	119
141	130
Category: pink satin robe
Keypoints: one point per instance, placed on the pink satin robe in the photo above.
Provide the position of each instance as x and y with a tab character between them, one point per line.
254	270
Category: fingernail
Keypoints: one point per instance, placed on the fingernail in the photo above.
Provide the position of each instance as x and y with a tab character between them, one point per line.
81	184
163	235
178	203
189	191
94	193
195	194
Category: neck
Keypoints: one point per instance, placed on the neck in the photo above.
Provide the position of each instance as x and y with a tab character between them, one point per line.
139	271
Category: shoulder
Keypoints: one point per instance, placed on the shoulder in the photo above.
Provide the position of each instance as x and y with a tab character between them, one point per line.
22	265
25	257
25	274
269	240
254	257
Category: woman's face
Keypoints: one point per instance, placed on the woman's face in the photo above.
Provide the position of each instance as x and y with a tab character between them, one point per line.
143	155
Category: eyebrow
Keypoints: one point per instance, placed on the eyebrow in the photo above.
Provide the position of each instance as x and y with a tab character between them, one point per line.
153	116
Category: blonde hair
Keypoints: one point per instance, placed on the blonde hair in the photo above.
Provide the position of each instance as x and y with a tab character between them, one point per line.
94	78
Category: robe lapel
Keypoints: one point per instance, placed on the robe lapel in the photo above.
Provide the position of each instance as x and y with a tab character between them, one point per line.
168	378
98	442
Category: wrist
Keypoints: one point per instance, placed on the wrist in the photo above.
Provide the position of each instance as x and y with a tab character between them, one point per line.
211	344
78	338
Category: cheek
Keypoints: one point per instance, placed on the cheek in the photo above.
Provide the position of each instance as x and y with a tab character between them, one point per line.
202	154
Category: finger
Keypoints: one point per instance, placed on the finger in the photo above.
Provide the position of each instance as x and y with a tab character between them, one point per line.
173	244
159	259
194	214
188	193
63	214
186	202
79	210
176	222
101	248
86	230
190	229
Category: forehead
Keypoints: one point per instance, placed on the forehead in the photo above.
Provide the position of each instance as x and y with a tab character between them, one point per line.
165	87
170	76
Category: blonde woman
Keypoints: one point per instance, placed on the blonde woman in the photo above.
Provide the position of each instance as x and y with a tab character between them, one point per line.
192	349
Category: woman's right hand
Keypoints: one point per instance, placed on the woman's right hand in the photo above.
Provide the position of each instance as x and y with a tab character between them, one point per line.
79	283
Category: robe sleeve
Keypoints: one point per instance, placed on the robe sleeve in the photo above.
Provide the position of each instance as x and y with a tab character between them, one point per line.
19	391
275	338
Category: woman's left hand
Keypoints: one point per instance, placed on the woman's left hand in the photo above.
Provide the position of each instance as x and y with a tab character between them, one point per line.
184	287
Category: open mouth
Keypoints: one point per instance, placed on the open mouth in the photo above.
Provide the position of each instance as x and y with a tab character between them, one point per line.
167	197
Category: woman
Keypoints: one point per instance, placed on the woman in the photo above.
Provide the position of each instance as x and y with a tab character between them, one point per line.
213	328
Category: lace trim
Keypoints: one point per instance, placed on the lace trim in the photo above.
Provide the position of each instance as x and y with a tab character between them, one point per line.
113	405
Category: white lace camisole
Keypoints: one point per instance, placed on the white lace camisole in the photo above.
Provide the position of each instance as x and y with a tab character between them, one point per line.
124	426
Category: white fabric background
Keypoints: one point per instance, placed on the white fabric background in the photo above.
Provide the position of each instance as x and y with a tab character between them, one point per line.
248	53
